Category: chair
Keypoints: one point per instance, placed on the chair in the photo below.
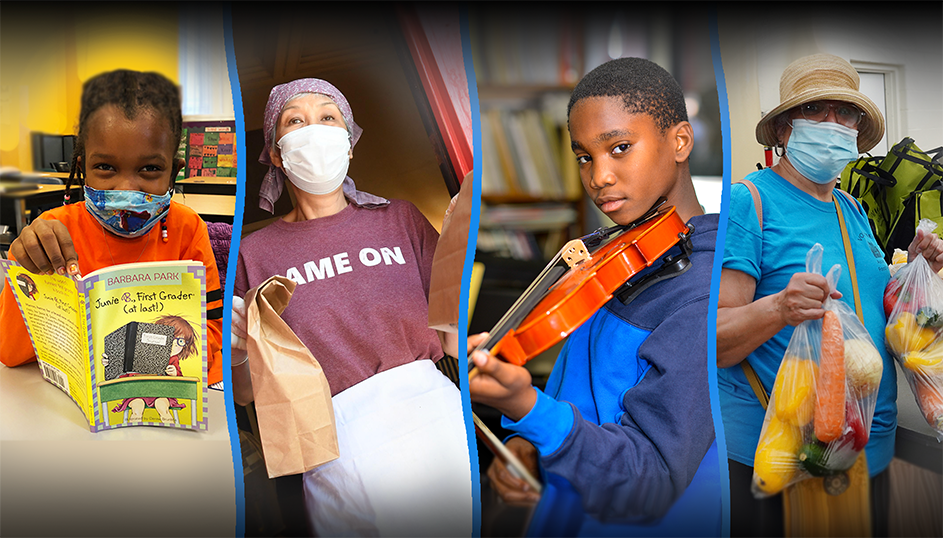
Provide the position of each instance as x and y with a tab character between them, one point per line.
61	166
220	239
150	386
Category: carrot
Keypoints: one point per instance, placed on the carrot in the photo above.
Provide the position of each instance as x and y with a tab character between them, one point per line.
830	387
930	400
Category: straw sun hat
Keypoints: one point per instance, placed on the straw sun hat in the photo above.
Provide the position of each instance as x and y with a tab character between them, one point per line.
823	77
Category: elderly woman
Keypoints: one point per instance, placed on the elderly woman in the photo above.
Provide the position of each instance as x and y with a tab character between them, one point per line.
822	123
362	264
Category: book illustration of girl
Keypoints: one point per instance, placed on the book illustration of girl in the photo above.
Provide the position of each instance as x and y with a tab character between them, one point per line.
27	285
184	345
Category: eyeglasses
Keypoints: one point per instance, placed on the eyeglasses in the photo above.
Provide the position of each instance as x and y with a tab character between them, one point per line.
181	342
846	114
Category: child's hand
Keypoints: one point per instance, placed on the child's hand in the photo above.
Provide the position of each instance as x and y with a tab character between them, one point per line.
170	370
512	489
503	386
45	247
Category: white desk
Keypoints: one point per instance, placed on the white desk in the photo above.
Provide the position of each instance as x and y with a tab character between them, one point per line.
58	479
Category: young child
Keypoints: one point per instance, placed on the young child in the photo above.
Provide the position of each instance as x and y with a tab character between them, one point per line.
125	158
623	434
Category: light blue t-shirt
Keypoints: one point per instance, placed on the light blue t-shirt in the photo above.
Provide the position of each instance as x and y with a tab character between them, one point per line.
793	221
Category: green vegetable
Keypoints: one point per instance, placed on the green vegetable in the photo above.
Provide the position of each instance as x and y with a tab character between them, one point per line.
812	457
928	317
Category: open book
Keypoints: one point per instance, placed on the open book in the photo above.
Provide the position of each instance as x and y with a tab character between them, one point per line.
127	343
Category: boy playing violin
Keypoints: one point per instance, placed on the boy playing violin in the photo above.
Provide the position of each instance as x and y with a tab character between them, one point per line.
623	432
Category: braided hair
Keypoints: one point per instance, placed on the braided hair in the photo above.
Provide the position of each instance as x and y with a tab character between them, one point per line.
644	87
131	91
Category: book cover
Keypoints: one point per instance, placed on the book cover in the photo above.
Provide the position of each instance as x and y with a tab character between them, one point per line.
128	343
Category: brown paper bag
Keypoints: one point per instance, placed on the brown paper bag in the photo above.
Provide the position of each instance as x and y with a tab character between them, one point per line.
445	285
292	396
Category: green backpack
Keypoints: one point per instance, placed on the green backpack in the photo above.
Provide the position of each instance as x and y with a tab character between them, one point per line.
897	191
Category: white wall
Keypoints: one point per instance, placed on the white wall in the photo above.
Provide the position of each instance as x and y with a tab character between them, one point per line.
758	41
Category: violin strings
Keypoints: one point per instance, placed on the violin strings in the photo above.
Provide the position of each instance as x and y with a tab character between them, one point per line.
524	297
601	233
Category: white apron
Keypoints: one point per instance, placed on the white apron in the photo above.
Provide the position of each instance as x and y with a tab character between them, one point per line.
404	468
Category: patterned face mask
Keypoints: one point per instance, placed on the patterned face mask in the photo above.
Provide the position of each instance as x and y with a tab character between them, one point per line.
127	213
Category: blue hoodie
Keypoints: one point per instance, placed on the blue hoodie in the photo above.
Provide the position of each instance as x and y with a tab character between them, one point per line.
624	429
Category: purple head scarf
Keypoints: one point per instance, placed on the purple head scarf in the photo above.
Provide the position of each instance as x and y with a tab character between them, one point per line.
274	180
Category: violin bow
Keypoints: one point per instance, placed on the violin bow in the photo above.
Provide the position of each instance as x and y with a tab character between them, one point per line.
514	465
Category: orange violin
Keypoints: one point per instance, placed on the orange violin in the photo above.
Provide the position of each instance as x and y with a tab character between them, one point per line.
554	305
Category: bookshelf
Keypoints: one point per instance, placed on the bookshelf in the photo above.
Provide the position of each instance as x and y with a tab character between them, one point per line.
527	63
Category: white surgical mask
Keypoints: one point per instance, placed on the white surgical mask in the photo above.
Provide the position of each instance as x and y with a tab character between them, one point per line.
315	158
821	150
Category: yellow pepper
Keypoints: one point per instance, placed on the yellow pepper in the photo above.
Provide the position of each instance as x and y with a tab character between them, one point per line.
904	335
794	390
775	463
929	362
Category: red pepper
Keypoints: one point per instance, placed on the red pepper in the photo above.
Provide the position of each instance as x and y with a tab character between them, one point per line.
890	296
855	421
894	294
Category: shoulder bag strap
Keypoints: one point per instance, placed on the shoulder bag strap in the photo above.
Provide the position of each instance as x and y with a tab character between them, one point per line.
848	255
748	370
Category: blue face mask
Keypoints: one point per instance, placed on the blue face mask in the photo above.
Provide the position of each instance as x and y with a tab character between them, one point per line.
821	150
127	213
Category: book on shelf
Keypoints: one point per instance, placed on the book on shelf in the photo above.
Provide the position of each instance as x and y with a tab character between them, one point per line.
517	244
524	156
127	343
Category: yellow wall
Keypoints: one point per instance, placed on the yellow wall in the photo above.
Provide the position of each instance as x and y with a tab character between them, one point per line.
45	58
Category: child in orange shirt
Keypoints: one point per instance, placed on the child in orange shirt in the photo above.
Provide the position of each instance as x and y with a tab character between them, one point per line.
130	125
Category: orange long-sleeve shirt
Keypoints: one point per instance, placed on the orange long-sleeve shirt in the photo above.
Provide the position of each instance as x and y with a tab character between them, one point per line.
97	248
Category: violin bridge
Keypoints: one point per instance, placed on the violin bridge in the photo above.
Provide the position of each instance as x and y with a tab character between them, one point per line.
574	252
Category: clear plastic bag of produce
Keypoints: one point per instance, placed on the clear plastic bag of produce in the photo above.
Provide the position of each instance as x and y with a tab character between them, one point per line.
820	409
913	302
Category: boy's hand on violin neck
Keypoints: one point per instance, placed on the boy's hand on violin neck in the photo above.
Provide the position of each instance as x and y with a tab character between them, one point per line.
503	386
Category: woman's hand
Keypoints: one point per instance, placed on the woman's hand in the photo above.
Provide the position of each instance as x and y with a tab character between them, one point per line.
509	487
744	324
803	297
239	358
930	246
238	327
448	210
45	247
170	370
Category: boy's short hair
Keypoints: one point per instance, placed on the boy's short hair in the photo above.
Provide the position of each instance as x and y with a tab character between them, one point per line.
644	86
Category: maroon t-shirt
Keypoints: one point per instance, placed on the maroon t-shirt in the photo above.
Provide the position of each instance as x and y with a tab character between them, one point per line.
361	304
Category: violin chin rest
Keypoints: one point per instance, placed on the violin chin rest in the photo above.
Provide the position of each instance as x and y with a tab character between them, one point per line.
673	266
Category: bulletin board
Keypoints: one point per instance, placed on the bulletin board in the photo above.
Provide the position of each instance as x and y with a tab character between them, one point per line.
209	148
